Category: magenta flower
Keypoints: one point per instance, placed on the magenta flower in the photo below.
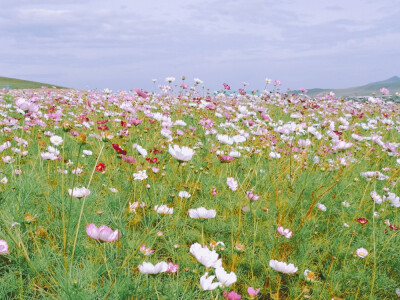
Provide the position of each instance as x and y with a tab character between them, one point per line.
226	158
231	295
141	93
4	247
252	292
102	233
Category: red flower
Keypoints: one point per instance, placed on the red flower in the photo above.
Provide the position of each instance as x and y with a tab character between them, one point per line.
103	127
119	149
152	160
362	221
100	167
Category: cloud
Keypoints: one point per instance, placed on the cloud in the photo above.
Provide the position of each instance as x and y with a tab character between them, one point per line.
123	44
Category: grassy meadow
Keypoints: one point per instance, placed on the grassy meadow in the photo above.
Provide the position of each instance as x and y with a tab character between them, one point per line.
100	195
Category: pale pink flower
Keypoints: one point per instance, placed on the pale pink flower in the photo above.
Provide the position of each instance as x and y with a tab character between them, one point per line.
232	183
4	247
102	233
285	232
361	252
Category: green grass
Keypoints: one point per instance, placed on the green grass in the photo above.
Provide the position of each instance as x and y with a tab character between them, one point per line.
48	260
13	83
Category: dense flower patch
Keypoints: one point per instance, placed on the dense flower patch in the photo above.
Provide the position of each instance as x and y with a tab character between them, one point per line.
189	195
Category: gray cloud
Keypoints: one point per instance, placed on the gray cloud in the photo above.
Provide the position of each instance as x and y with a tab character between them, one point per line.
123	45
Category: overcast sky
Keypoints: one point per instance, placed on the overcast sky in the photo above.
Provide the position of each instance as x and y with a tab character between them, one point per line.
125	44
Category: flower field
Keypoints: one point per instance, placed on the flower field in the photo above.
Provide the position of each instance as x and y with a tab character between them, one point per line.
183	194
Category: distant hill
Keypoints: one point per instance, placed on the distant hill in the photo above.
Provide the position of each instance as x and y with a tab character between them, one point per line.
13	83
392	84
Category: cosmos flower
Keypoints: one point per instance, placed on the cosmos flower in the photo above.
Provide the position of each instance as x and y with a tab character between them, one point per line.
79	192
4	247
309	275
163	210
361	252
4	180
181	153
232	183
149	268
252	292
207	284
283	267
170	79
252	196
205	256
285	232
56	140
226	279
102	233
141	175
202	213
321	207
184	194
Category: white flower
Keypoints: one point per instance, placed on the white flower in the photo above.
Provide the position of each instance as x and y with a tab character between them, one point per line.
141	175
346	225
87	152
113	190
77	171
184	194
398	290
274	155
232	183
267	80
346	204
205	256
321	207
170	79
149	268
141	150
281	266
4	180
361	252
163	209
395	200
48	155
202	213
56	140
226	279
207	284
223	138
181	153
7	159
285	232
197	81
79	192
53	150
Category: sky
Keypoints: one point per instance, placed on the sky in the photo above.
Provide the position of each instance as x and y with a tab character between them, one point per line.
123	44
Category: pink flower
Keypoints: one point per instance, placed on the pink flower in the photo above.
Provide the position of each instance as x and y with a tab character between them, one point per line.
226	87
252	292
252	196
172	268
4	247
231	295
285	232
102	233
141	93
384	91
